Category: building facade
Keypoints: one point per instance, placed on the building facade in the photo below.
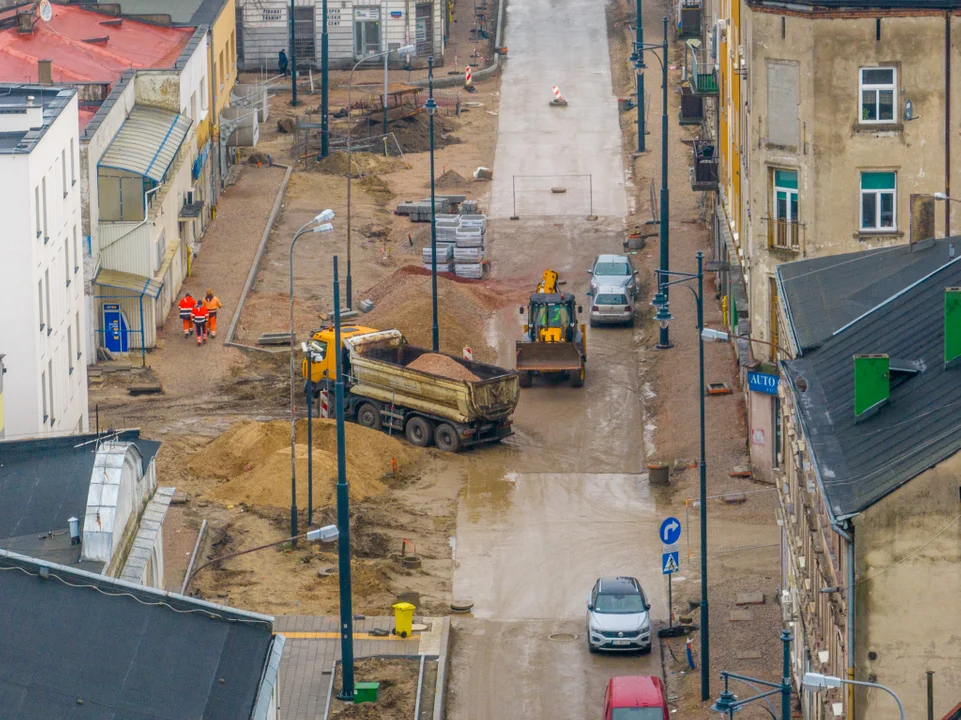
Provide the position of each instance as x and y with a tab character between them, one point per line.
355	30
822	124
41	278
868	501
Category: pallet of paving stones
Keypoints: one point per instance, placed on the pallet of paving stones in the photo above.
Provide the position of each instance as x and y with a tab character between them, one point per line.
441	267
445	253
468	254
471	236
472	271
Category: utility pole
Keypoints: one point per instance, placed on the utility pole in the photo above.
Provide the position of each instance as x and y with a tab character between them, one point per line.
641	129
324	87
293	58
664	341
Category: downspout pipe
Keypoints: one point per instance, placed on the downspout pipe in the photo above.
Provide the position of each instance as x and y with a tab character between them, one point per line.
947	122
848	536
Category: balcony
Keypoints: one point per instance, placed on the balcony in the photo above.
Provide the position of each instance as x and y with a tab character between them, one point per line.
784	234
692	107
689	19
703	74
704	174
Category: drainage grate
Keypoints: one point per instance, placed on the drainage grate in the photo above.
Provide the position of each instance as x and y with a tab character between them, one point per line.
562	637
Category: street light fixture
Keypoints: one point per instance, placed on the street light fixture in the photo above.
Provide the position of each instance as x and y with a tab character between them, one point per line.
310	227
728	703
664	340
814	682
663	318
406	50
431	107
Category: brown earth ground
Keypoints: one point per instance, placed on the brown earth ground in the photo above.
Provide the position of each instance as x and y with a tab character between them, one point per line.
218	402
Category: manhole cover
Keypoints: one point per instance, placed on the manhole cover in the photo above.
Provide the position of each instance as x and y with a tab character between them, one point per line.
562	637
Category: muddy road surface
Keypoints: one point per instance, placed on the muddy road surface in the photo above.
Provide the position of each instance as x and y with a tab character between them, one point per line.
566	500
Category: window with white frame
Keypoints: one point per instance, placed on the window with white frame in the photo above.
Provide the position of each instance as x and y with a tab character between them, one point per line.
784	223
878	201
878	92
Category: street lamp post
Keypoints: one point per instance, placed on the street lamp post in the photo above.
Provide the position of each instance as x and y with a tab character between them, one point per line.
320	224
638	59
350	84
324	86
431	110
728	702
815	681
293	57
343	513
664	340
663	318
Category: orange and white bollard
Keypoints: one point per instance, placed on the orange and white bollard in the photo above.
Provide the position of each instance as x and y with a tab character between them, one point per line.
558	98
467	77
468	354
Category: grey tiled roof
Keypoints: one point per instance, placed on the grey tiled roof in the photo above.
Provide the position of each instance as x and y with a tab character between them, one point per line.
861	462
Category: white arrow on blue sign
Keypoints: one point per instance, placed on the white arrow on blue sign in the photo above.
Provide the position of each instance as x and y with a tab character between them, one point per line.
669	563
670	531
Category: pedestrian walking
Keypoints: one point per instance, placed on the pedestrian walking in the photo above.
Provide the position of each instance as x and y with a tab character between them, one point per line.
213	304
282	63
186	306
199	316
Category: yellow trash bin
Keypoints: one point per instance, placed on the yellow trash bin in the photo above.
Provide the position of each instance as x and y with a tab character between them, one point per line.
403	618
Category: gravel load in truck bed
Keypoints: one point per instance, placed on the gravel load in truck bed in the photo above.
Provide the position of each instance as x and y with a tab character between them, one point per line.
443	366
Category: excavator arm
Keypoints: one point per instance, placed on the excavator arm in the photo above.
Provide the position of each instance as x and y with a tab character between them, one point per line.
548	285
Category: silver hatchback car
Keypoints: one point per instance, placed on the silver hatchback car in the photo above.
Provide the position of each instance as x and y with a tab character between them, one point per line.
612	304
611	270
618	616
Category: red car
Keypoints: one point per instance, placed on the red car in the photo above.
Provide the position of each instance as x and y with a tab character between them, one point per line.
635	697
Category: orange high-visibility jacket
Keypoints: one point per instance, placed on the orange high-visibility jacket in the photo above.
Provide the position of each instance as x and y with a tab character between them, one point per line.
186	306
212	304
199	314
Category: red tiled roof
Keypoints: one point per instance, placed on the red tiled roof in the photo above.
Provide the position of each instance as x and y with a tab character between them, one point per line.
67	41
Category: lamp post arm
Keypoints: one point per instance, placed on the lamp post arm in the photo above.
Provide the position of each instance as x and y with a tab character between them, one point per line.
767	702
230	556
888	690
650	47
745	678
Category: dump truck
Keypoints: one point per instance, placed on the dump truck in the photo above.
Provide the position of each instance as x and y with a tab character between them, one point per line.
382	391
553	344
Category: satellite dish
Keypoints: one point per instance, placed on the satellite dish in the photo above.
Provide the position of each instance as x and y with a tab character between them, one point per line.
46	12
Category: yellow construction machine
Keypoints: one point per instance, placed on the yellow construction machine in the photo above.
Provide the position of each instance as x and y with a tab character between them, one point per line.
554	343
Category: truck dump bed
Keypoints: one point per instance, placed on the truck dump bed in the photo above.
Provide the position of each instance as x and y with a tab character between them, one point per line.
378	363
548	357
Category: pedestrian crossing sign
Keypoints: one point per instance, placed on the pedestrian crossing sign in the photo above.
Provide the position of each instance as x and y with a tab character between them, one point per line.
669	563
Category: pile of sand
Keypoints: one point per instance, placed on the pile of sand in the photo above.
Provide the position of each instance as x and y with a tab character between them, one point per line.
361	163
403	301
254	459
450	179
443	366
378	187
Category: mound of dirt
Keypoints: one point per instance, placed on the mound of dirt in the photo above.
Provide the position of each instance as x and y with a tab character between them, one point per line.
403	301
443	366
413	133
254	458
378	187
451	179
361	163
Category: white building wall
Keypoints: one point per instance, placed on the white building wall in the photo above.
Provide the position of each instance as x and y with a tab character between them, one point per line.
41	283
266	30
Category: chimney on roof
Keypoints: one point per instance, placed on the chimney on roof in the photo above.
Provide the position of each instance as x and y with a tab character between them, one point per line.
74	530
952	324
45	72
25	22
872	385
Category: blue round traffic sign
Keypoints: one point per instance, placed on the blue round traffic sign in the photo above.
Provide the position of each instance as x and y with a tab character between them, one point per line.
670	531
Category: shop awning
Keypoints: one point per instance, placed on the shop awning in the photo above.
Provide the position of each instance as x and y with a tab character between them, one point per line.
147	142
130	282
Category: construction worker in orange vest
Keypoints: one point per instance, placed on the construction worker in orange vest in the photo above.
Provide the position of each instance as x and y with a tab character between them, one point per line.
186	305
199	315
212	303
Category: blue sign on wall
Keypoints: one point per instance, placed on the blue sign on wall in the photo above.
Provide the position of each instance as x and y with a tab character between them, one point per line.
759	382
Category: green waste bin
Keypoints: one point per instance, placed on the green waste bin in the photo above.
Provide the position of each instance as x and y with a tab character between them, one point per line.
403	618
365	692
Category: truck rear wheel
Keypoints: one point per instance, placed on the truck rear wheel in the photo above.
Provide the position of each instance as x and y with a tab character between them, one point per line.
419	431
524	380
446	438
368	415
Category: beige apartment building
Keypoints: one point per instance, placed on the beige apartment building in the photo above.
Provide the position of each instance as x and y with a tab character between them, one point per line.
822	120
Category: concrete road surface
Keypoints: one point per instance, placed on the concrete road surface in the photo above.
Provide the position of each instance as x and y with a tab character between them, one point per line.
564	501
539	146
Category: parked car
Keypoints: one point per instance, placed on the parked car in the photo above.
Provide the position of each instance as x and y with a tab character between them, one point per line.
617	616
614	270
612	304
637	697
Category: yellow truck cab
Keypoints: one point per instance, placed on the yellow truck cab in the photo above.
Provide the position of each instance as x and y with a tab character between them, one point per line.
324	365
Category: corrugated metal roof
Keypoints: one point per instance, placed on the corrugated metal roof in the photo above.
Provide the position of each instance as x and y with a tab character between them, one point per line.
128	281
147	142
